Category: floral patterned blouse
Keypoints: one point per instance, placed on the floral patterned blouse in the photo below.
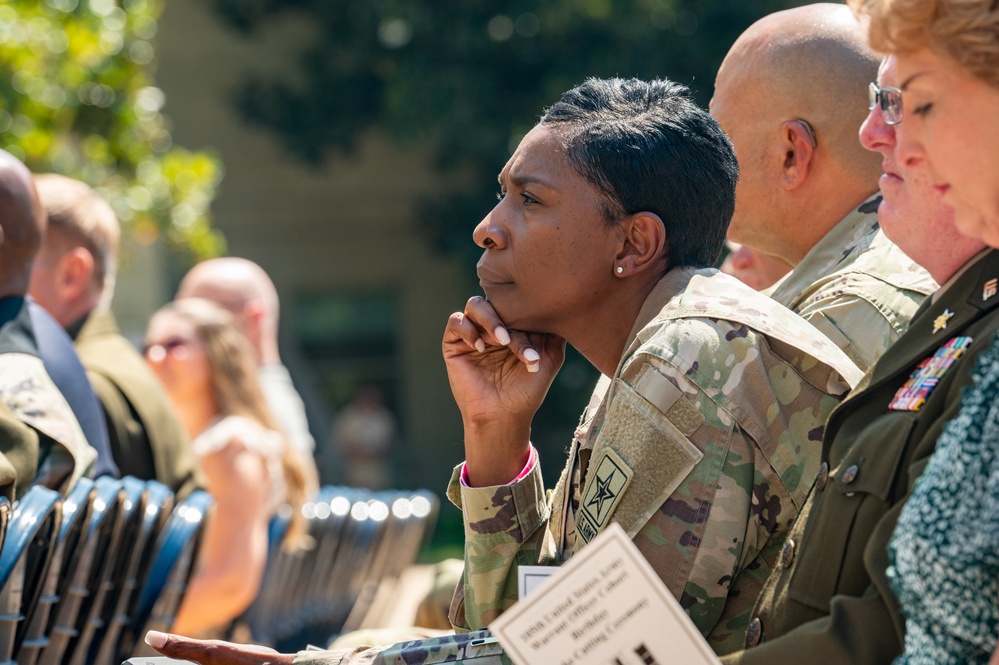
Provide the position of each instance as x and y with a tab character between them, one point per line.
945	551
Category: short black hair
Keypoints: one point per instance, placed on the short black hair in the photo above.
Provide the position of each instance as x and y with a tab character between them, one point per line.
649	148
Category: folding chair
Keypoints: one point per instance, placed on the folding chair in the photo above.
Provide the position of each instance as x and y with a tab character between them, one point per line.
76	509
176	551
116	642
91	569
27	552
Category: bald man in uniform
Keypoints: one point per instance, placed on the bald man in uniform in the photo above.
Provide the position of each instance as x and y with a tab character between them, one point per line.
790	95
73	277
244	289
32	344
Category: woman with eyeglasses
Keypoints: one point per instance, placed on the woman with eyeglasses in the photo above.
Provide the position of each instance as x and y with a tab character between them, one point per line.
945	551
208	370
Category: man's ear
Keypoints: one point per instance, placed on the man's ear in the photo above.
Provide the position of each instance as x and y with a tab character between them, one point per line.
798	148
76	273
643	243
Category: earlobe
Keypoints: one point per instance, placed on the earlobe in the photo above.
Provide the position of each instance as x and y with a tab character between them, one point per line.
644	243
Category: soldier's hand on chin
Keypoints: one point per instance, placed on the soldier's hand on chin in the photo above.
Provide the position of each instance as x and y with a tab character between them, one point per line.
215	652
499	378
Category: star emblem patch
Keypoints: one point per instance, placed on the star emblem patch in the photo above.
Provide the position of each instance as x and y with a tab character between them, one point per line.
603	491
603	494
940	322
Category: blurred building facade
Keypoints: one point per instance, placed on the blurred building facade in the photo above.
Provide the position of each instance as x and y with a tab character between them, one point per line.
364	299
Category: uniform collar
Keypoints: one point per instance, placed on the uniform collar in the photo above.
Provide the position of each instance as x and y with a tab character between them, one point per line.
672	284
852	235
96	322
957	275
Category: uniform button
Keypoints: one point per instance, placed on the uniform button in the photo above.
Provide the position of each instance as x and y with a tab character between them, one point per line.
787	554
823	476
754	633
850	474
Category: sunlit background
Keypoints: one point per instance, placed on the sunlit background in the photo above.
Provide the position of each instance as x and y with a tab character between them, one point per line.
347	146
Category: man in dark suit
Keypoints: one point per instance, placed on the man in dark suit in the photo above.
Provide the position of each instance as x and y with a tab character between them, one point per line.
31	345
73	278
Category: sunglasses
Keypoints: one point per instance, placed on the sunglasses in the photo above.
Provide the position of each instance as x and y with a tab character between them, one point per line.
890	101
160	350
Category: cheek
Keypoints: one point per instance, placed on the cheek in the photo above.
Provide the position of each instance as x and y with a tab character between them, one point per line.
159	369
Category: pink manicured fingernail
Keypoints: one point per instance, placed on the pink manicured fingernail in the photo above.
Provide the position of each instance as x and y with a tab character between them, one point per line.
156	639
531	356
480	346
502	335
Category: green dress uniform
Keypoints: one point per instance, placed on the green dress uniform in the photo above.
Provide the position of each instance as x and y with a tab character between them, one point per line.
147	438
830	600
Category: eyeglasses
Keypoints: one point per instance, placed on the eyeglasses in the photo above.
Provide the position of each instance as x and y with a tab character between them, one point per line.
890	100
160	350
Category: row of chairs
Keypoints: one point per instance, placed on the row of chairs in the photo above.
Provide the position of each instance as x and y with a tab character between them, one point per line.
83	577
360	541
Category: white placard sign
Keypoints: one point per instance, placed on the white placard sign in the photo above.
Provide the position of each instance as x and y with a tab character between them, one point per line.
605	606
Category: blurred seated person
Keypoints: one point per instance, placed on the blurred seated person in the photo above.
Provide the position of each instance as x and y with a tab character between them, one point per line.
73	278
247	292
208	370
753	267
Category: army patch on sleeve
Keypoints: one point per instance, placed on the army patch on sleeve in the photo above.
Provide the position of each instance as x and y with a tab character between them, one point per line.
922	382
602	495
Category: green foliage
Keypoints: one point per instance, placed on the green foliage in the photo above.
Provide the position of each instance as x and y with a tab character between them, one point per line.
77	97
468	78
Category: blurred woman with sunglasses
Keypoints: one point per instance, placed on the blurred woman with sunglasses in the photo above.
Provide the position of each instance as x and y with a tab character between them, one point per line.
207	367
945	551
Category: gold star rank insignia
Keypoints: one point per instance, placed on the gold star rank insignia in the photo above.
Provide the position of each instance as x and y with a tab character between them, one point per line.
940	322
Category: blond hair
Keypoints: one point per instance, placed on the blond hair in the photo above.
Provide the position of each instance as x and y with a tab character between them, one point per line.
236	388
964	31
84	219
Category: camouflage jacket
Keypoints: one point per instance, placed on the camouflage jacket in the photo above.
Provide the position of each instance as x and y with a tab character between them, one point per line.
62	453
856	286
702	447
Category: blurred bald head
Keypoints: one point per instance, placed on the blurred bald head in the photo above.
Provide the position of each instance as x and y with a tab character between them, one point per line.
243	288
791	93
23	224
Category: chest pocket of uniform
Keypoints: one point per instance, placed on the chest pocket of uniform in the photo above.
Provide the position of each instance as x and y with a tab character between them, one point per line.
844	511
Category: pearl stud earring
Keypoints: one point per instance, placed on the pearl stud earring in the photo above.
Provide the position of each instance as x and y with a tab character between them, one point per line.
620	269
